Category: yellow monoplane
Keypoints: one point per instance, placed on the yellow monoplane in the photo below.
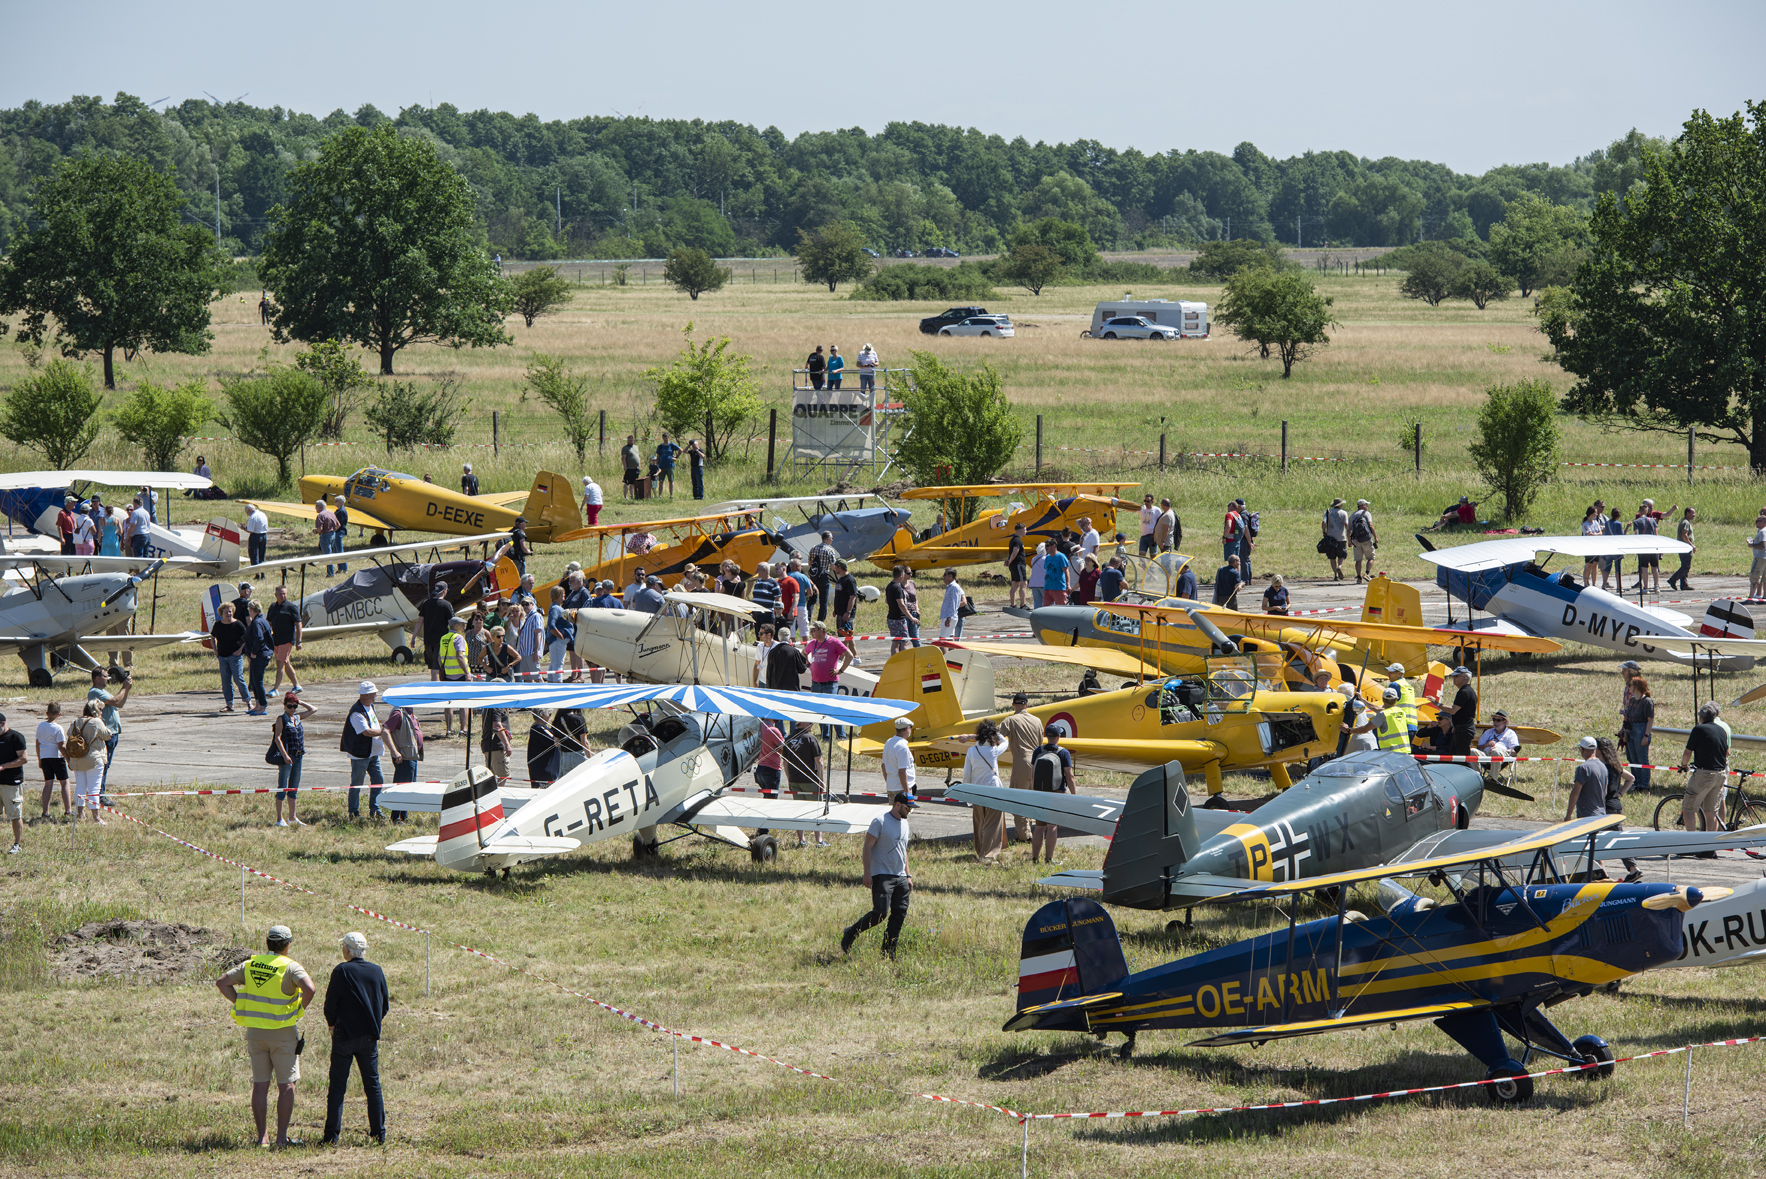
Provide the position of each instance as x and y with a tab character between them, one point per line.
390	501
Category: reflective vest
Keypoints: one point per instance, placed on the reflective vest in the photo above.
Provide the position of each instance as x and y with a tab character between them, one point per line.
1393	732
1407	702
453	656
259	1001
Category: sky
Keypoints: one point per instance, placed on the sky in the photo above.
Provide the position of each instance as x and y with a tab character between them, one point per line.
1470	86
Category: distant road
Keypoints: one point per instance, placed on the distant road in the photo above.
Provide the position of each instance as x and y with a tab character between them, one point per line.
1307	257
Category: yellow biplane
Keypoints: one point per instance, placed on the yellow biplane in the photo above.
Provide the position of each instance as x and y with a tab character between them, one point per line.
665	548
1053	508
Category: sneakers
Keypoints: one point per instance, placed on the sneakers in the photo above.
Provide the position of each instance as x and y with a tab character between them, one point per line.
820	842
298	822
846	940
281	822
14	850
1633	877
255	711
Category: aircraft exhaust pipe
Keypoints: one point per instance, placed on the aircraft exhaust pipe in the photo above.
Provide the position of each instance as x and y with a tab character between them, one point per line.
1225	645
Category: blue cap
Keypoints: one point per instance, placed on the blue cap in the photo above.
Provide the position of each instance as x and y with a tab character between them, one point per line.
906	800
1460	671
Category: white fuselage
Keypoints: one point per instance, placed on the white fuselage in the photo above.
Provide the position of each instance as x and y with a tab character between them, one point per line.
52	616
216	546
1727	932
669	649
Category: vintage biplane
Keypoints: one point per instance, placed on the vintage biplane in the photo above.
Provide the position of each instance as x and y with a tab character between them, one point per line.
1506	946
1051	509
33	499
56	610
858	531
388	501
665	548
1507	579
671	769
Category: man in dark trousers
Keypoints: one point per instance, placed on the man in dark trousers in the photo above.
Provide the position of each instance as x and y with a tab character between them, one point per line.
355	1003
1463	710
435	614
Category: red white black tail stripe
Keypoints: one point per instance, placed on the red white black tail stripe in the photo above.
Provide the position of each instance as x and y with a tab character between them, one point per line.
1726	618
467	810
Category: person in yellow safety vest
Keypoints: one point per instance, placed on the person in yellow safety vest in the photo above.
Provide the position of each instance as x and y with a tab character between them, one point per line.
269	993
1406	697
1389	724
455	665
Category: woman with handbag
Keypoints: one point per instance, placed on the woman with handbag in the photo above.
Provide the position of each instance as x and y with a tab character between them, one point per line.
288	747
86	741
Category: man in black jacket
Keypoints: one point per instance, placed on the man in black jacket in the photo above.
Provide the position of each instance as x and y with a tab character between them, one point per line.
355	1003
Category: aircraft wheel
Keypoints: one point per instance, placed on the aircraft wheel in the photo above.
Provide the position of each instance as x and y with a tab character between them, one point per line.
401	656
1126	1052
1595	1049
40	678
643	849
1612	988
763	849
1513	1087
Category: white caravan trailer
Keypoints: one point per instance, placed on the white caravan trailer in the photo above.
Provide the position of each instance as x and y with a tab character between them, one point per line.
1190	319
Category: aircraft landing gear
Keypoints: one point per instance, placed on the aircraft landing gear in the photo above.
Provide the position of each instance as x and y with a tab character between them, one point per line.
643	849
1188	923
1514	1088
1126	1052
401	656
763	849
1594	1050
41	678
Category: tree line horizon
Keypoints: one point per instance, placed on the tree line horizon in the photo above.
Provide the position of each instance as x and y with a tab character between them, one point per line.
605	187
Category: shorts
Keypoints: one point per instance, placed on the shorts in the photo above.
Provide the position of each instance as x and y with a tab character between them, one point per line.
283	651
12	798
55	769
1648	561
1147	544
1704	789
898	628
631	475
1364	550
498	762
272	1060
432	657
1759	569
806	791
1019	570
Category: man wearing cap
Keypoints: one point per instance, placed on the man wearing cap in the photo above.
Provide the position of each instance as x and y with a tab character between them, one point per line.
468	481
356	1000
1406	697
898	758
593	498
1364	538
362	740
519	548
325	524
1588	789
269	993
242	604
1463	710
1023	733
434	615
1499	740
886	868
1335	544
1051	772
649	599
64	525
1706	759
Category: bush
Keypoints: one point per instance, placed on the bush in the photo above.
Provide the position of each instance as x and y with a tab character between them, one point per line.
538	292
693	272
277	412
566	393
341	374
55	411
1516	450
1222	260
1479	282
408	419
961	429
158	420
1431	272
910	280
706	382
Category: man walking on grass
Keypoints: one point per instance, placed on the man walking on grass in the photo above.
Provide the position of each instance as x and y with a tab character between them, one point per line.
886	874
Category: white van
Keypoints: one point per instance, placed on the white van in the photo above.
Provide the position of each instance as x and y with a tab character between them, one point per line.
1190	319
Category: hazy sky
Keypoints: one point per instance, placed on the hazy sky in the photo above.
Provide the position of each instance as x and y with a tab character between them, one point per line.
1467	85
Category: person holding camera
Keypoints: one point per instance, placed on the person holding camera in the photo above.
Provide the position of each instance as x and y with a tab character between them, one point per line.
269	993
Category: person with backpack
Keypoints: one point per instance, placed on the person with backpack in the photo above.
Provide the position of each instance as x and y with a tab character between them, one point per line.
87	747
288	743
407	742
1248	527
1051	771
1364	538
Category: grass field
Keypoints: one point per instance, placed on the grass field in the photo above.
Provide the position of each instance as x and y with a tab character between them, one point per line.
496	1073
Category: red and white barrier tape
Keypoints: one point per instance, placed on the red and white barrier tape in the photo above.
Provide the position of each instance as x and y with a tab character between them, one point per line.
376	443
1307	458
1504	759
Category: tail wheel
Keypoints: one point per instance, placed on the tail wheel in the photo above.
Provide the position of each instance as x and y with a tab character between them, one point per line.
1594	1050
643	849
401	656
1513	1086
763	849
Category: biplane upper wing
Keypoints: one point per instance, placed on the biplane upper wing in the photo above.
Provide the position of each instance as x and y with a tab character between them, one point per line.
707	522
175	481
1107	659
1243	623
414	547
1608	845
1533	841
1313	1027
1495	554
309	512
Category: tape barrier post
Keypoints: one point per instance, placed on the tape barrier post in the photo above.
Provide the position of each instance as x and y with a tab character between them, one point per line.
242	898
1024	1151
426	964
677	1044
1686	1097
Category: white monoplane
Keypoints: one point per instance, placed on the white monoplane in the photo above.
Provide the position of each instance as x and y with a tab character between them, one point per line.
1507	580
669	771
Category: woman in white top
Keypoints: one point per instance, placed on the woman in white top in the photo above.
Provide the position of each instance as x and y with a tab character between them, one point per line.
85	535
981	767
52	757
1592	525
763	646
1036	570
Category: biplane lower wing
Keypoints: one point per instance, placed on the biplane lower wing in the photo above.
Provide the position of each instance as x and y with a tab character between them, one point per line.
1347	1023
1608	845
1106	659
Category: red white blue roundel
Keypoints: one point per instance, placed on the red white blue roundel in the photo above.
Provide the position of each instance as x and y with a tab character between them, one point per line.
1064	722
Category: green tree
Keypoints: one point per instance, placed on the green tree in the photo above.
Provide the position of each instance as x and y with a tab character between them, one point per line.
1222	260
1516	447
960	427
1479	282
1070	242
277	412
111	265
1031	266
342	374
833	254
379	246
407	418
693	272
566	394
1279	310
158	420
1431	272
538	292
1531	231
1667	331
1555	308
55	411
707	379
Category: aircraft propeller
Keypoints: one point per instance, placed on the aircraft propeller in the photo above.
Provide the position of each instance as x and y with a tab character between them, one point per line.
1684	897
137	579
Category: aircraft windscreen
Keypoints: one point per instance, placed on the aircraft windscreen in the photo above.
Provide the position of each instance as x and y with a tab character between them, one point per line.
1334	769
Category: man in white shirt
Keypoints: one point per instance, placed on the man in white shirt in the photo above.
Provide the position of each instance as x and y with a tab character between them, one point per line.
1757	547
886	868
138	525
867	369
1149	519
592	500
950	618
1499	740
898	758
257	537
1089	540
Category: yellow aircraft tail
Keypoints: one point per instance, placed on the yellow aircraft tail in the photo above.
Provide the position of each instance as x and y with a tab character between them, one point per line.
551	507
918	674
1396	604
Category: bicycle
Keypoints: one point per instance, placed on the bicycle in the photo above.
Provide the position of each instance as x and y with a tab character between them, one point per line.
1745	810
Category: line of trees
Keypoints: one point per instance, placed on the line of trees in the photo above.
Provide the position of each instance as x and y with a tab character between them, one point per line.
630	187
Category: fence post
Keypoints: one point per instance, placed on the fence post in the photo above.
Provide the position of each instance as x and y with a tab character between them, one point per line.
1161	452
602	450
1039	444
1689	438
1284	448
772	434
495	450
1419	448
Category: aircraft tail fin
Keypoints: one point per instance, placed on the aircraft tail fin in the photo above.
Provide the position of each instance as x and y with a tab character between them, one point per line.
210	608
1155	837
220	544
899	542
1395	604
471	806
1070	949
972	675
551	509
1727	618
918	674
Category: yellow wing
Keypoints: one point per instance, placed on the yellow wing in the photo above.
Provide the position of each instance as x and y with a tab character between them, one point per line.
1243	623
1312	1027
308	512
1107	659
501	499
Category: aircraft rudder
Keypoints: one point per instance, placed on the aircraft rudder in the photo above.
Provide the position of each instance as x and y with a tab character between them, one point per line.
1097	948
918	674
551	505
471	805
220	542
1047	971
1155	836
